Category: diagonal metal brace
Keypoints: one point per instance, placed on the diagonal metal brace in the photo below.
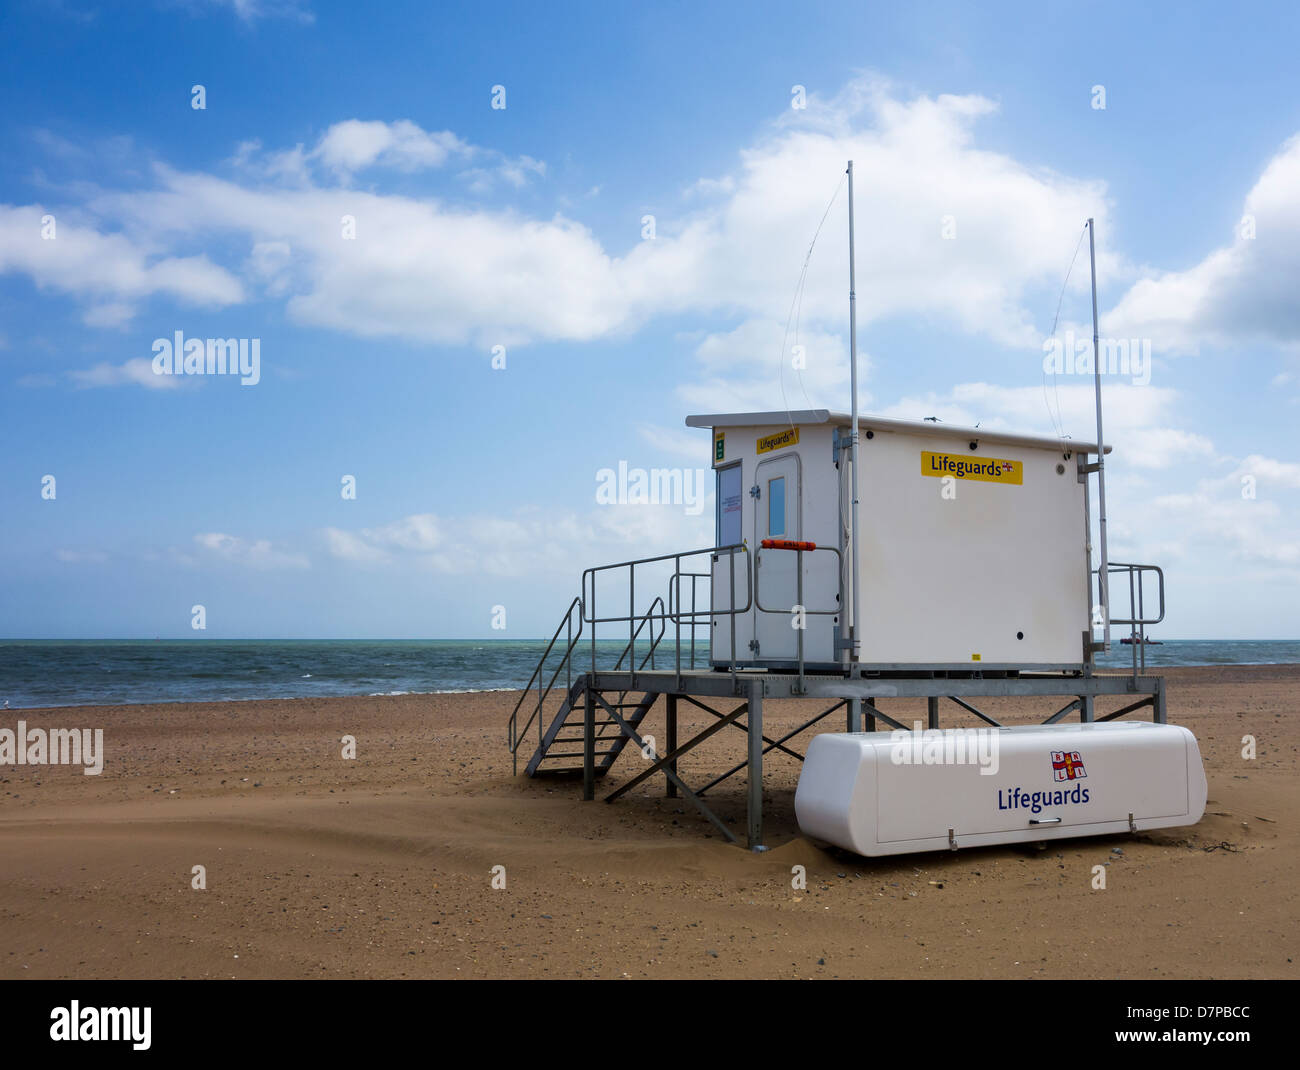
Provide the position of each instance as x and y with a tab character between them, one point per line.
789	735
972	709
677	752
871	710
661	764
1129	709
745	728
1062	712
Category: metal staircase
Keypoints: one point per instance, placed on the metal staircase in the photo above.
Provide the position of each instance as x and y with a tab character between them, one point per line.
565	728
566	732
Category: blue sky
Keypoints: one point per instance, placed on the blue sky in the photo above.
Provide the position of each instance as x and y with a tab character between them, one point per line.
523	227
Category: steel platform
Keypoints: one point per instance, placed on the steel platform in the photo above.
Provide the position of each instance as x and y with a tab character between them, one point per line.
857	695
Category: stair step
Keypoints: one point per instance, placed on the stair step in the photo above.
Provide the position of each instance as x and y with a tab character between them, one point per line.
575	754
567	769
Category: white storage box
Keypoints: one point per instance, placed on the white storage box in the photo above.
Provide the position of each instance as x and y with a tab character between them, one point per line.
885	793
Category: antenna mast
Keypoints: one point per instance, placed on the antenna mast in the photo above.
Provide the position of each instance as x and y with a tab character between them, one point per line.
1103	573
854	628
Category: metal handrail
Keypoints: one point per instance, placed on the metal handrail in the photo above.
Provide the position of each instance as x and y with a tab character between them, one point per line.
654	644
799	549
1135	572
588	603
646	617
515	736
633	619
675	587
1137	619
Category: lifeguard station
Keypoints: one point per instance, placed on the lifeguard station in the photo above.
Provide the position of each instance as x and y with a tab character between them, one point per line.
973	555
856	560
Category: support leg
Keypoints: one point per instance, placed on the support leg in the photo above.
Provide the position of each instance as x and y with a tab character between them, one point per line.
855	715
756	766
1087	709
588	745
870	711
932	710
671	790
1162	714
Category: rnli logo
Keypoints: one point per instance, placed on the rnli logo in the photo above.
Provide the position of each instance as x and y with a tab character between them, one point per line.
1067	765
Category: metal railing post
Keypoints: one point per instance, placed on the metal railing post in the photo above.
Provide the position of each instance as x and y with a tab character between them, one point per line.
694	623
677	620
802	619
731	558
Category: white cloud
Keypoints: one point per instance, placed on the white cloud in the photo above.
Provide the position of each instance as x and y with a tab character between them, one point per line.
531	542
256	553
752	368
80	557
270	263
138	372
1130	412
423	270
915	163
1239	293
251	10
1217	521
513	172
415	270
1164	447
421	533
1269	472
349	547
37	380
109	314
356	144
109	269
687	444
711	187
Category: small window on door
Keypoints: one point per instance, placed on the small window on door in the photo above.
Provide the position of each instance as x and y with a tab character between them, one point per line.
776	507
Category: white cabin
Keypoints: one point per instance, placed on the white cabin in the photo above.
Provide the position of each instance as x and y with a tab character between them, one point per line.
974	548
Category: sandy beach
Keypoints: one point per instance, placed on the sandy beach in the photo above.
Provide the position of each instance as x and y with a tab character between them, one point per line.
382	866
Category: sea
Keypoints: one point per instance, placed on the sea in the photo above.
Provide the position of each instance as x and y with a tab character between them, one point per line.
36	673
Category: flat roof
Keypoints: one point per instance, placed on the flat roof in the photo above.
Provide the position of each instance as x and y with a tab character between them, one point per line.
866	422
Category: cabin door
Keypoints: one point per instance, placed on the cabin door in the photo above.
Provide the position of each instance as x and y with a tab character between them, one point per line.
778	514
728	569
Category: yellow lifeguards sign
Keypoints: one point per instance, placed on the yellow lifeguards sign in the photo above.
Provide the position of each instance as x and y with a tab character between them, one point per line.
779	441
961	466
